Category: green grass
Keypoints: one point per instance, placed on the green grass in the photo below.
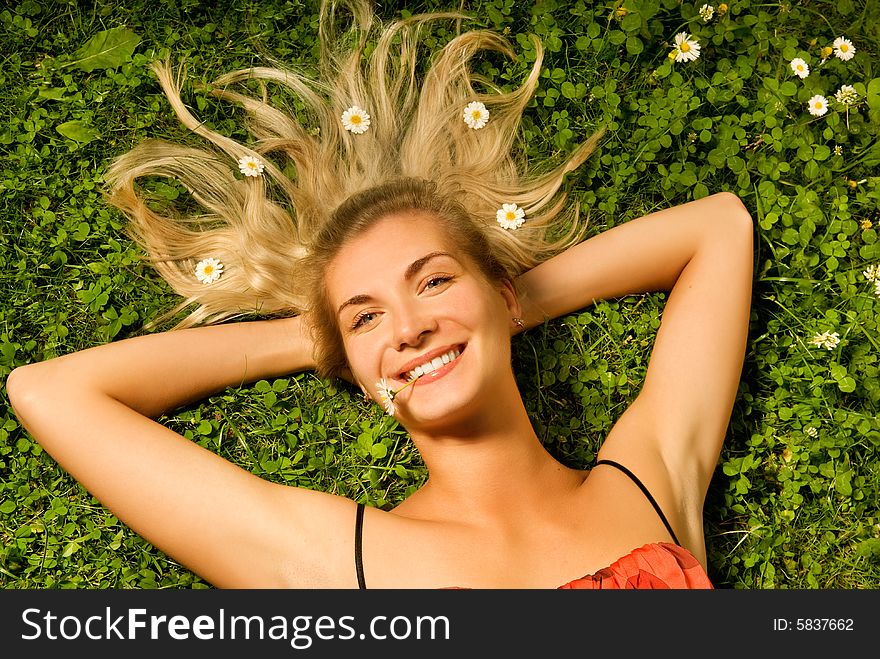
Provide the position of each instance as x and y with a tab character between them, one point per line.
785	509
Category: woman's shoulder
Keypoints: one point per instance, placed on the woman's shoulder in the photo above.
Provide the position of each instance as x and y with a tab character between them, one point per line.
652	490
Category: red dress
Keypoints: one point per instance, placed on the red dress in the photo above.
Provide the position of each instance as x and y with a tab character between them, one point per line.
655	565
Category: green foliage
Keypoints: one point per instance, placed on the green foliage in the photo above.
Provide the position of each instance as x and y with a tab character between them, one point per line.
106	50
793	503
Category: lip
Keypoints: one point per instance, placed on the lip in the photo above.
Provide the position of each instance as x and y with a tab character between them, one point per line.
410	365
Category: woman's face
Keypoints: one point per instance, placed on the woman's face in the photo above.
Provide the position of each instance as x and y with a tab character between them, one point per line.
409	302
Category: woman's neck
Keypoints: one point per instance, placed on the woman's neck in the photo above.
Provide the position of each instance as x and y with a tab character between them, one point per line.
491	474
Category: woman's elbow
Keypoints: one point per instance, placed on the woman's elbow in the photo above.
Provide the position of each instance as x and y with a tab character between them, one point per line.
734	211
30	389
20	388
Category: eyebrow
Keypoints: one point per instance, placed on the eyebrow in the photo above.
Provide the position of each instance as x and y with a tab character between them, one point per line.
411	271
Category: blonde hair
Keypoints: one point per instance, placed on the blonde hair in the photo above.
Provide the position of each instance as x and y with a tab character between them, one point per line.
262	228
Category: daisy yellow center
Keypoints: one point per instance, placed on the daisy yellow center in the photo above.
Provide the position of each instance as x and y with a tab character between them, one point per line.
844	47
209	269
818	105
511	215
476	114
355	119
252	165
684	47
800	67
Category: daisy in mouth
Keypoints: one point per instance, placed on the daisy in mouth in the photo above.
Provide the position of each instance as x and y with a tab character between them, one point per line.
430	366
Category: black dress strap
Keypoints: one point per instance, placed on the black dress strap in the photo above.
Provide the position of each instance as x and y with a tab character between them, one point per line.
645	491
358	542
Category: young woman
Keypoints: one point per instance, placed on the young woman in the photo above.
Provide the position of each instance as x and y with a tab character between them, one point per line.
409	247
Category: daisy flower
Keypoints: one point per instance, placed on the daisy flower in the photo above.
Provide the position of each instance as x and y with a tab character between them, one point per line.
838	150
250	166
827	340
510	216
687	49
209	270
866	224
387	394
818	105
872	273
476	115
812	432
707	12
843	48
800	67
354	119
846	95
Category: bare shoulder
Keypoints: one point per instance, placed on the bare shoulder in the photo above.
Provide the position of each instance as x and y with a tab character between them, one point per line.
672	434
310	537
306	538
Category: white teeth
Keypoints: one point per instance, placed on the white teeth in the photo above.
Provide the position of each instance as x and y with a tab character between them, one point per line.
433	365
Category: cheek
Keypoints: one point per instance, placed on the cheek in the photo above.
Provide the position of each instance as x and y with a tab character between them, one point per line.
487	309
363	360
473	301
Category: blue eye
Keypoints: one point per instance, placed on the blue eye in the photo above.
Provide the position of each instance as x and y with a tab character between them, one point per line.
361	319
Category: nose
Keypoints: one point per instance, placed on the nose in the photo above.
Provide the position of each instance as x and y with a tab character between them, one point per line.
411	324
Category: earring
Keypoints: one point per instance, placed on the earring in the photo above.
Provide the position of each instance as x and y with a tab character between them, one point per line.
519	322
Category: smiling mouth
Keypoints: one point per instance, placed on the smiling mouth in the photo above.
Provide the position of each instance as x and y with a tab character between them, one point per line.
431	365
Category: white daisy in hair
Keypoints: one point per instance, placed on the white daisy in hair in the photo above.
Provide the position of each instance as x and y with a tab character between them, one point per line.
250	166
510	216
355	120
476	115
209	270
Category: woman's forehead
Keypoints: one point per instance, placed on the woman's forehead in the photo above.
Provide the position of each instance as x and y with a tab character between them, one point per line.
385	252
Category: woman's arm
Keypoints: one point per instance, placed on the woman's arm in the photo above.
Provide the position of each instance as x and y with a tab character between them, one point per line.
156	373
90	410
702	253
642	255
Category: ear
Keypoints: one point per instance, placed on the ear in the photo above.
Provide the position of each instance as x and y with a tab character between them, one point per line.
511	298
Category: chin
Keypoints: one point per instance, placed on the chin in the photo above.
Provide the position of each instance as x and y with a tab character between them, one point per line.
446	411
